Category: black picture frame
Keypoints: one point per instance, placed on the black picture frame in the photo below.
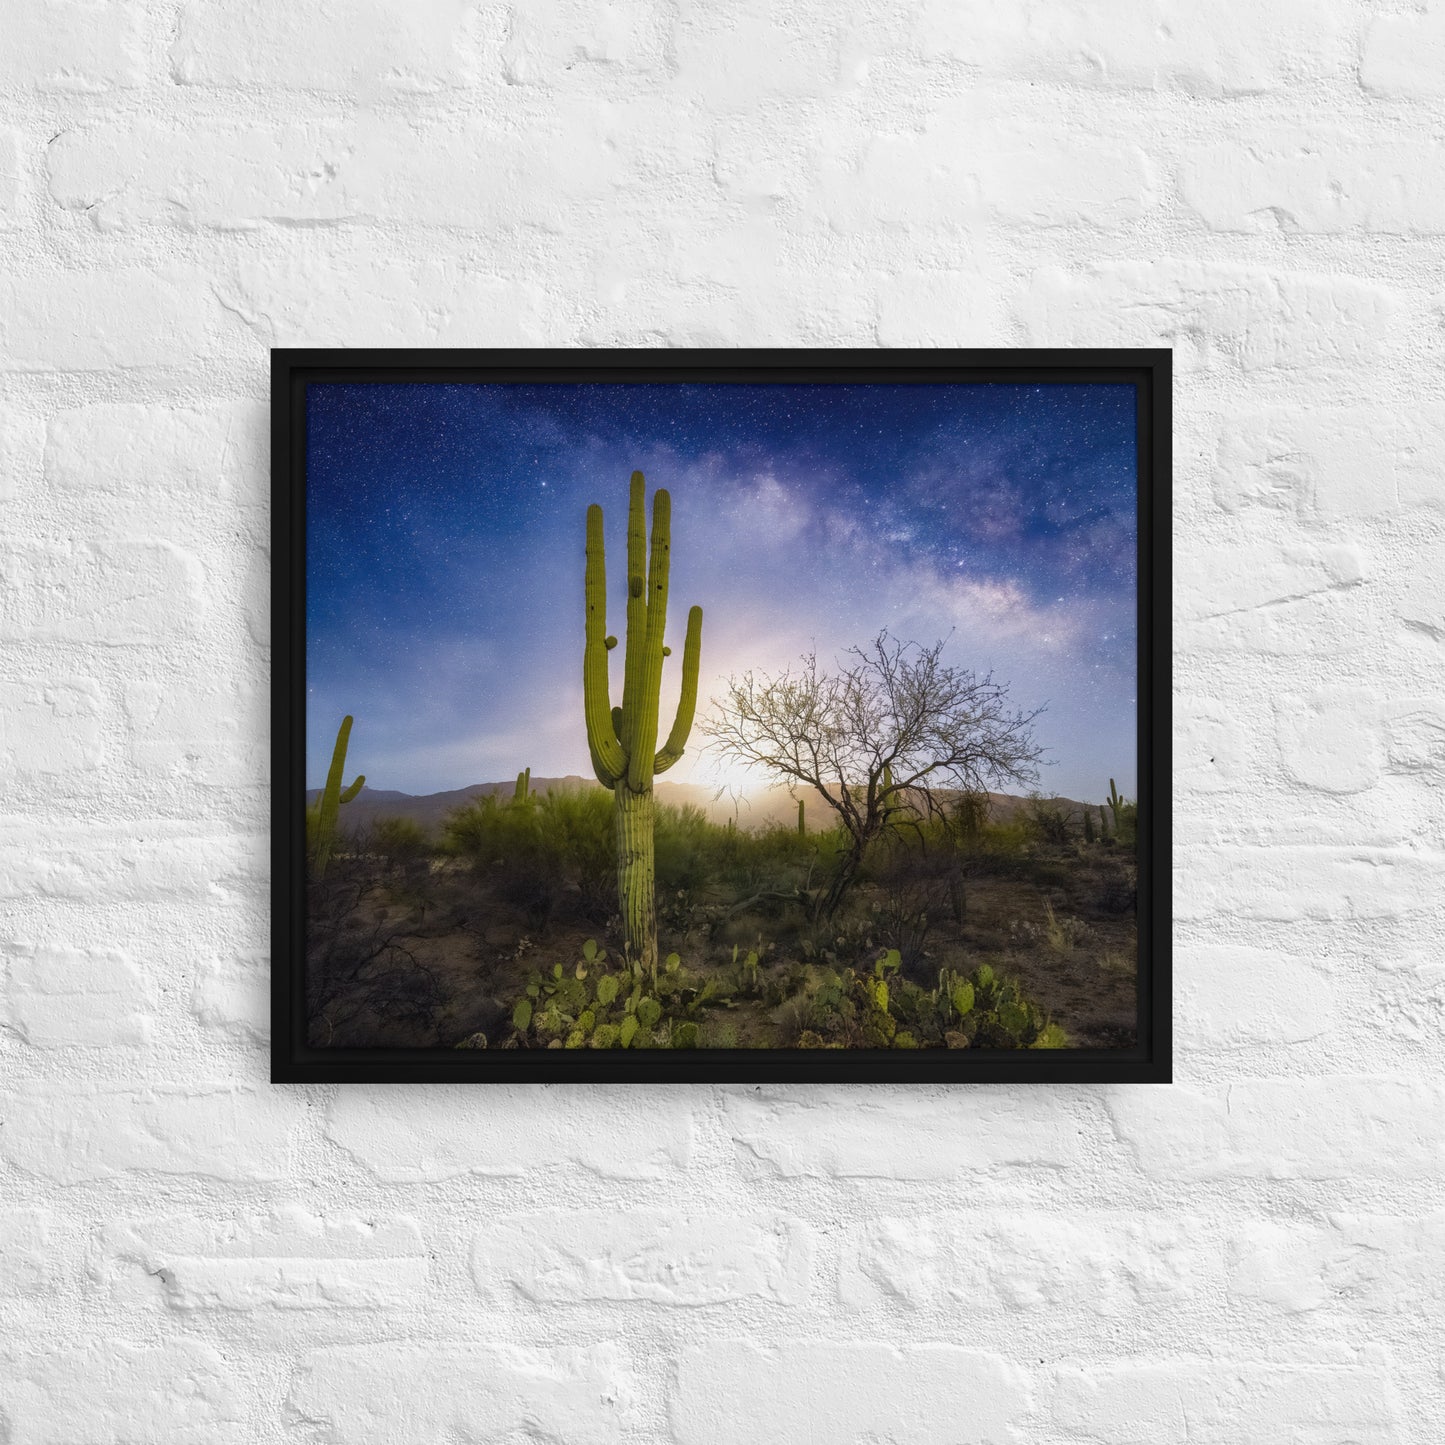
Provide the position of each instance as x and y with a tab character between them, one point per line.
293	1061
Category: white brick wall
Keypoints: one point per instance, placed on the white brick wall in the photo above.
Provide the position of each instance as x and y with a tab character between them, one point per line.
190	1255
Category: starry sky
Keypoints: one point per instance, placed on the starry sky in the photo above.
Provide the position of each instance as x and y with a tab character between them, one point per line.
445	553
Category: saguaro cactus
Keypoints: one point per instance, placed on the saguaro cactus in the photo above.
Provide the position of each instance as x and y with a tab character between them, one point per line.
623	740
1126	816
802	826
523	790
321	817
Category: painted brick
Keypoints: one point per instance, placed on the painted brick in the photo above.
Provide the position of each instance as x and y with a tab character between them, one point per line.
117	1393
72	1133
1214	316
74	45
133	862
99	320
93	997
1369	1263
416	1394
1236	996
1322	184
1330	740
1024	1260
1414	731
1404	52
212	734
940	308
922	178
27	1253
56	726
133	452
509	1131
1334	463
1213	749
433	302
232	996
406	46
470	177
732	1390
543	45
287	1260
742	54
230	177
1288	883
21	441
1206	1401
793	1133
645	1255
1310	1128
12	179
1287	567
1206	48
106	592
1420	591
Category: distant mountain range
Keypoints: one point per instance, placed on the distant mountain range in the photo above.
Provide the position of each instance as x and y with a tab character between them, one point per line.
758	810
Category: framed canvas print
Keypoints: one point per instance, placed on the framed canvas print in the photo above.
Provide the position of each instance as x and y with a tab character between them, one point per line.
721	715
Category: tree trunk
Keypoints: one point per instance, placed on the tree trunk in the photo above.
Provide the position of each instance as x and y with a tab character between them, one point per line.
848	867
636	874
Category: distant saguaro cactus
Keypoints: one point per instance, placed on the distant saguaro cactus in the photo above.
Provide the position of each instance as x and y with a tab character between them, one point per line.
1126	816
523	790
623	740
802	826
321	816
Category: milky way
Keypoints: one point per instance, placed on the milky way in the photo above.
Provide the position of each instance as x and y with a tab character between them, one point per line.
445	533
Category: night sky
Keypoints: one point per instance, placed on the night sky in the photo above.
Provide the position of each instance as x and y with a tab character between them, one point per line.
445	554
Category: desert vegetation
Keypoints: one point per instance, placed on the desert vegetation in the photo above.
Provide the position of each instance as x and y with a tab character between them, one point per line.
985	924
924	896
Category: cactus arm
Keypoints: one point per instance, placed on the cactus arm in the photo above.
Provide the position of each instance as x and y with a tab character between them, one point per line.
354	789
608	760
642	744
687	703
632	662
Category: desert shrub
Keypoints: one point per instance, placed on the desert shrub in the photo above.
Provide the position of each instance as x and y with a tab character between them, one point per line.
399	839
576	830
551	854
1050	821
688	848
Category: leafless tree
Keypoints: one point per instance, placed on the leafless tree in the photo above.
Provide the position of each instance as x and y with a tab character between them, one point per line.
877	738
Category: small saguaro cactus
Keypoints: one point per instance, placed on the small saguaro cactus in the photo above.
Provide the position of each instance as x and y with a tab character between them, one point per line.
321	816
1126	816
802	825
623	740
523	790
